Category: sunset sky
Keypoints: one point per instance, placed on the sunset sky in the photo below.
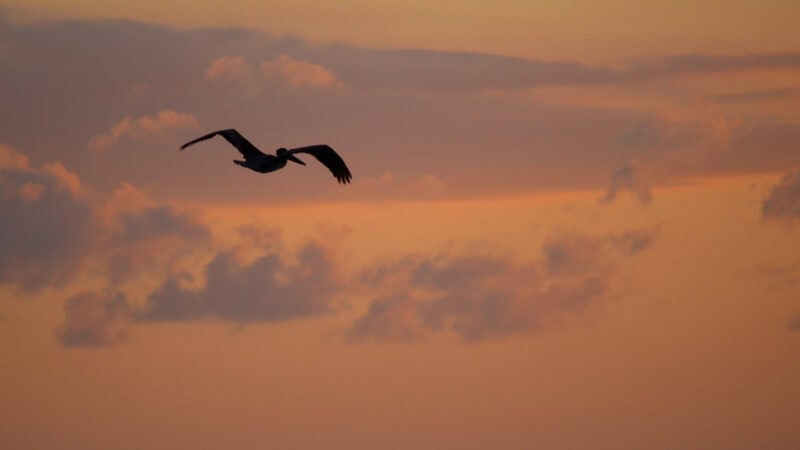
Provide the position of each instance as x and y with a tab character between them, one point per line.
572	225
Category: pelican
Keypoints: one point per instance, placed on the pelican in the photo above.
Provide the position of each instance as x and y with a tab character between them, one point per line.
255	159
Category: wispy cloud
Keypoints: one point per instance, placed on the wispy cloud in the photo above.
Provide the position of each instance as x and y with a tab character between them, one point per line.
94	319
783	201
143	127
763	95
627	179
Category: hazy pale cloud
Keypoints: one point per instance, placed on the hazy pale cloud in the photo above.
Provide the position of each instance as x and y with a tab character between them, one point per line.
143	127
779	275
403	185
783	201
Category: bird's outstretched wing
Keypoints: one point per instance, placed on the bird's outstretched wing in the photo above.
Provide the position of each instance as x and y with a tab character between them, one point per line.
327	156
237	140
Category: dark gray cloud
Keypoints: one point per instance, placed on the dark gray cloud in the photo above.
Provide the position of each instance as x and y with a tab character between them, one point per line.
269	289
786	94
94	319
47	225
708	64
431	70
156	222
151	239
671	146
52	226
783	201
481	295
632	242
465	71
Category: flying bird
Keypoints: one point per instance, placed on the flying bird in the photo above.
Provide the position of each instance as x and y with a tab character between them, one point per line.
255	159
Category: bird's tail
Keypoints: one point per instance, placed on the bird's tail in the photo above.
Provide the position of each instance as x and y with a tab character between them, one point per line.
241	163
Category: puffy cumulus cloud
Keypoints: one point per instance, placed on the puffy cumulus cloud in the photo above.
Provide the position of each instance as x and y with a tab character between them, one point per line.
244	79
48	224
146	237
52	226
299	74
627	179
94	319
482	295
12	159
236	73
783	201
53	230
273	287
142	128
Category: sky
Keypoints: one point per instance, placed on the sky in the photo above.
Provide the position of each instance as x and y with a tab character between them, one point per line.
571	225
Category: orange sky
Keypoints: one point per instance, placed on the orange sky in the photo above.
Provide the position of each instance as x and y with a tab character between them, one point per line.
593	245
583	30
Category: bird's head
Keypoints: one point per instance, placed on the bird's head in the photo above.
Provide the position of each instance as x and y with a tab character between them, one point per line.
292	158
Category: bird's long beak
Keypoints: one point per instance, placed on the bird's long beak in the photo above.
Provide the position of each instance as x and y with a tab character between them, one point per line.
293	158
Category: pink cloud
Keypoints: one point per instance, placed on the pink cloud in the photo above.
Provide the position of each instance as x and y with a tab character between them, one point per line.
299	74
237	73
12	159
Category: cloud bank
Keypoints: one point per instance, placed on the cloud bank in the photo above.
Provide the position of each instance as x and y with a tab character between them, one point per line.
482	295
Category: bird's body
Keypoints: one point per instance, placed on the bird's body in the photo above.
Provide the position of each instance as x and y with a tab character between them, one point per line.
264	163
255	159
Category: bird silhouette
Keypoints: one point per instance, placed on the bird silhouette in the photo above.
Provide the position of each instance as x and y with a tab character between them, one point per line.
255	159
